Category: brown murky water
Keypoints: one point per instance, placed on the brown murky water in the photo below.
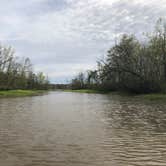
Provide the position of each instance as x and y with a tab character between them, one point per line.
72	129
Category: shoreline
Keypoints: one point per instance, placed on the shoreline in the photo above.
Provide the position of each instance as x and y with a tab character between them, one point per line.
85	91
149	96
26	93
20	93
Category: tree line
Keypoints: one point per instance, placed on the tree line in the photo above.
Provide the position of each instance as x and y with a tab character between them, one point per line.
131	65
17	73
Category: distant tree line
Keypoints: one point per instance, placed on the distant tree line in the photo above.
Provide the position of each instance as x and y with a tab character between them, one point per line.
17	73
131	65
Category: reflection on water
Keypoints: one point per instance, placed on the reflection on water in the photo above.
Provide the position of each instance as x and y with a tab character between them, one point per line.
72	129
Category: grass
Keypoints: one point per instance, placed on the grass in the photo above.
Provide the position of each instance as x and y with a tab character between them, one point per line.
99	91
23	93
153	97
84	91
150	97
20	93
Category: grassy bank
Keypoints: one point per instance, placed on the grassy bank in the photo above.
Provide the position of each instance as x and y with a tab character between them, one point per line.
85	91
151	97
20	93
98	91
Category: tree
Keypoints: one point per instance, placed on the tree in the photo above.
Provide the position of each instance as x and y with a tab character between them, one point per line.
16	73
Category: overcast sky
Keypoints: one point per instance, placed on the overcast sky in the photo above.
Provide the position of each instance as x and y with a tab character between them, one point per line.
64	37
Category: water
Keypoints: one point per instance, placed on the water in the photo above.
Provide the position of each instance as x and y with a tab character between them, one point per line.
72	129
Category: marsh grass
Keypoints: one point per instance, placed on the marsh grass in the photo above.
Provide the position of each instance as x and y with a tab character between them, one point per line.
147	97
86	91
20	93
153	97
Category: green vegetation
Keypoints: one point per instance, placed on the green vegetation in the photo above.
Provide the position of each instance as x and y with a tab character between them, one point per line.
17	73
85	91
147	97
130	65
20	93
153	97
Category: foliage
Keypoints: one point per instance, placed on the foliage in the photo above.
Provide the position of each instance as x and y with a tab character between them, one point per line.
16	73
20	93
131	65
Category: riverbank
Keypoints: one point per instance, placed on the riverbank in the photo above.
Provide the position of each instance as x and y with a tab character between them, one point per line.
97	91
84	91
20	93
151	96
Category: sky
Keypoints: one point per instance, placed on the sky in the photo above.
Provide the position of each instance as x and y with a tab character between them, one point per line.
65	37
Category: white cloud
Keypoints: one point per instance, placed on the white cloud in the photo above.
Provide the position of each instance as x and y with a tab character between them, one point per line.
72	32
